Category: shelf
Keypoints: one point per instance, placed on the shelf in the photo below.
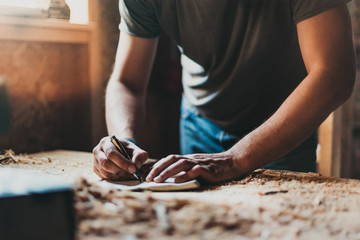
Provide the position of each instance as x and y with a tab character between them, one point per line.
44	30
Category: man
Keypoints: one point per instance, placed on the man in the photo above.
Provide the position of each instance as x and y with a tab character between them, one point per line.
259	77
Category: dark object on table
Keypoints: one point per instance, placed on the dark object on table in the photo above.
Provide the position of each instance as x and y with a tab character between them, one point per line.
35	206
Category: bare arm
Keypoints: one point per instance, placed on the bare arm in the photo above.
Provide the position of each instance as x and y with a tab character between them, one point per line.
327	50
328	53
126	91
125	105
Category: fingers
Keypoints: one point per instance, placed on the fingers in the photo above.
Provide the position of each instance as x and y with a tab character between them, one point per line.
96	170
121	175
160	166
113	155
187	167
104	163
139	156
110	164
179	166
193	173
103	167
99	156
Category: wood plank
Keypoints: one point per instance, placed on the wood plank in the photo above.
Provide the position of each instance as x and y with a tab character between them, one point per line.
44	30
335	140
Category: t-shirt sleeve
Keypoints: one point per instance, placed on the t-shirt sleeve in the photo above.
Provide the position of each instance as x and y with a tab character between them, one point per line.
138	18
303	9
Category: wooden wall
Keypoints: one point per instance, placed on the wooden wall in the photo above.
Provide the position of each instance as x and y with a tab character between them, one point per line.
56	88
48	94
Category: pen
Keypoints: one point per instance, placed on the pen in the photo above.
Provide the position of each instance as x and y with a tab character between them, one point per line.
120	147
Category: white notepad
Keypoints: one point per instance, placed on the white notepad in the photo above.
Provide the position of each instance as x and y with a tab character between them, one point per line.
168	185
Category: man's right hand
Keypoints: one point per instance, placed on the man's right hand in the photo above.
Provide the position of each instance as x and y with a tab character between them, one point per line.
110	164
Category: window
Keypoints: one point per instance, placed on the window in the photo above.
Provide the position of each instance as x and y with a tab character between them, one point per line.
45	9
79	11
25	3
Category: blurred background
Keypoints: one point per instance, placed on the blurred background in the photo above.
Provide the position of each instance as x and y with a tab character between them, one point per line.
56	57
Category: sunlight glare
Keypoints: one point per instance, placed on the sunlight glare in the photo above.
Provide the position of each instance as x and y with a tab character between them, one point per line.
26	3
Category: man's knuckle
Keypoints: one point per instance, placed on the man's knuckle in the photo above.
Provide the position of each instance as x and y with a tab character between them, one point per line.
105	164
164	174
95	150
172	156
183	162
111	154
107	174
196	168
103	140
144	154
201	169
140	154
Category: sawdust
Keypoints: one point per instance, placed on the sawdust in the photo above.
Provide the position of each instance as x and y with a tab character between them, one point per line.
11	158
66	168
121	214
299	206
264	205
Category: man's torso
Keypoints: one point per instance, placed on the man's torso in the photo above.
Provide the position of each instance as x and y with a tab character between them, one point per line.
240	58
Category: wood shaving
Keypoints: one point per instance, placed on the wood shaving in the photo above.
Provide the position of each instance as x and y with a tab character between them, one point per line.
304	211
12	158
265	204
113	213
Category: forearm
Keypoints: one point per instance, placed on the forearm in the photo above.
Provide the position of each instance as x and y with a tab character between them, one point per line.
126	90
299	116
125	110
327	49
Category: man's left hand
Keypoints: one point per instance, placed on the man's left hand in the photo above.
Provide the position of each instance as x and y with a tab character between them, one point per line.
211	168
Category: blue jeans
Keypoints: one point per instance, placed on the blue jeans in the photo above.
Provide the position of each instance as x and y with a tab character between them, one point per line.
199	135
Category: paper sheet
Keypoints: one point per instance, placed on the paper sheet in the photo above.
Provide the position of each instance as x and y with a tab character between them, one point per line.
168	185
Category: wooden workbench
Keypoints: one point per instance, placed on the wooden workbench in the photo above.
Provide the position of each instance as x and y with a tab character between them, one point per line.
264	205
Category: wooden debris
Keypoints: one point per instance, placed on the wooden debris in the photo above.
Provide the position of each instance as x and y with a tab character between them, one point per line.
265	204
10	158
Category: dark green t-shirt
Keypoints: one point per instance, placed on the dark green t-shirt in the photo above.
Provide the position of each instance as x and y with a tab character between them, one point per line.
240	58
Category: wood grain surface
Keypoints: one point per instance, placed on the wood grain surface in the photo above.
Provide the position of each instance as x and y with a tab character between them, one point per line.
264	205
